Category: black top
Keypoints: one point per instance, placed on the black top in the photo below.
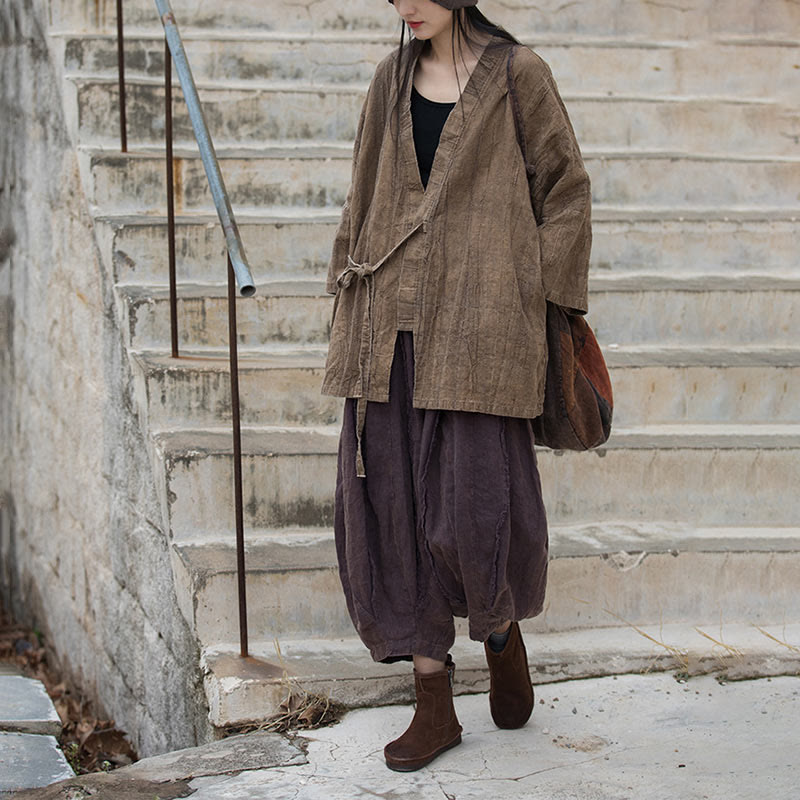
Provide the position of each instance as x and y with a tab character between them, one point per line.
428	118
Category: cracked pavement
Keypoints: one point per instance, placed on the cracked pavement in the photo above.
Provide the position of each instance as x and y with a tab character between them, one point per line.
612	738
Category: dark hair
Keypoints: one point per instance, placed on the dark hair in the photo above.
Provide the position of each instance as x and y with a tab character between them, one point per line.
466	20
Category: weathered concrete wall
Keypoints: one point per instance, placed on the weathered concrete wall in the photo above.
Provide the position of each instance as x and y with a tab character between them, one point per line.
83	555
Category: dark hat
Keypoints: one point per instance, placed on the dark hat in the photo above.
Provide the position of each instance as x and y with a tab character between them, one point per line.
452	4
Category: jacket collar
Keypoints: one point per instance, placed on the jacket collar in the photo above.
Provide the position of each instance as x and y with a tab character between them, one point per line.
457	120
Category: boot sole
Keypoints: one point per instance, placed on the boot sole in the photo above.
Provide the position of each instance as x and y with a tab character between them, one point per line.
411	766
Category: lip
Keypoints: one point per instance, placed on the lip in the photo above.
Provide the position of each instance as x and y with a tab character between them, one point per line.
414	24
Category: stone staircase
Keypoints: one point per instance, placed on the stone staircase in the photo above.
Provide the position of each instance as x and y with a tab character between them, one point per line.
689	121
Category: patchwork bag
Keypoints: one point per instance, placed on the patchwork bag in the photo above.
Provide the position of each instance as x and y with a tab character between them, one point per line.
578	401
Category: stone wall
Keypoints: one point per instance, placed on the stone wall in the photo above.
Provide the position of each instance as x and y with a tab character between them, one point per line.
84	558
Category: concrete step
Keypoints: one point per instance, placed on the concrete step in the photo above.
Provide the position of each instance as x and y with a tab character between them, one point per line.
277	386
645	310
608	18
282	312
297	177
31	761
240	55
652	386
656	386
644	573
768	68
317	176
240	690
25	707
654	310
297	244
685	472
244	113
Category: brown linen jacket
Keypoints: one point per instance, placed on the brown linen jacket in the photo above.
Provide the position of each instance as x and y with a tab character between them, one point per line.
461	263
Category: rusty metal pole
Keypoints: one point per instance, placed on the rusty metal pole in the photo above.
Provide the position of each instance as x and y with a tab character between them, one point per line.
123	123
173	289
237	459
238	269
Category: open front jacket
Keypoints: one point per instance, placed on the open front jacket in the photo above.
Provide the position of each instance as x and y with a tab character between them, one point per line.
461	263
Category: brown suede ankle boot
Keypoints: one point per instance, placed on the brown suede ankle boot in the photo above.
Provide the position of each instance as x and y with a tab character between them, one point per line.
434	727
510	688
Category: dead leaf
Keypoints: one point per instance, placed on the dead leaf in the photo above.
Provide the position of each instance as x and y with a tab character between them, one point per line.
106	745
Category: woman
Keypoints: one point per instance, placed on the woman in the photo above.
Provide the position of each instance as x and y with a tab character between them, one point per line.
441	276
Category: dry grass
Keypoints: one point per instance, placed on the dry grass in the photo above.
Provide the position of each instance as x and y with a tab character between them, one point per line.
729	649
89	743
794	648
681	656
723	651
300	709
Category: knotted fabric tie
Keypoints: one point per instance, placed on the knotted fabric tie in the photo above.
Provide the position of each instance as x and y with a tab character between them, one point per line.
366	272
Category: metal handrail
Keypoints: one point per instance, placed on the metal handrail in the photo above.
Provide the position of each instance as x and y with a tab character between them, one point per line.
207	154
238	270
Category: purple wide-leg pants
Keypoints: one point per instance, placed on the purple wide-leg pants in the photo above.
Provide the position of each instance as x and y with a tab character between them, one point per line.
449	521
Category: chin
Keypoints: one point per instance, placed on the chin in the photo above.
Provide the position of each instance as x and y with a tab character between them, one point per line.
424	35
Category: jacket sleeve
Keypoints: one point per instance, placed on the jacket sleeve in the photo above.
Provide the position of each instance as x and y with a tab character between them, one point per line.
560	189
341	246
341	240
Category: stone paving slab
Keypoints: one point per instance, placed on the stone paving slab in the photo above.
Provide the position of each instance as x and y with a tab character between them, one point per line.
30	760
612	738
105	786
166	776
234	754
25	707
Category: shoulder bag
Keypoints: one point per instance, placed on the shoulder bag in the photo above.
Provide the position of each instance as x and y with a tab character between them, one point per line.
578	401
